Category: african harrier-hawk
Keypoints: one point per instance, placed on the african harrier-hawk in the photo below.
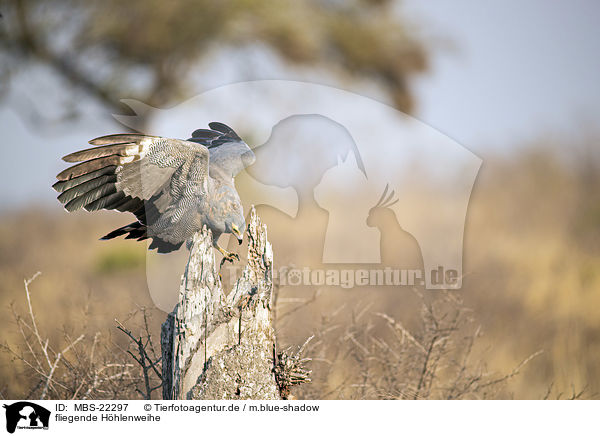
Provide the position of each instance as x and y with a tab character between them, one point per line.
172	186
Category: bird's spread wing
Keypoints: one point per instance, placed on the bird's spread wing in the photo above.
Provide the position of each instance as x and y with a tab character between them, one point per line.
229	154
135	173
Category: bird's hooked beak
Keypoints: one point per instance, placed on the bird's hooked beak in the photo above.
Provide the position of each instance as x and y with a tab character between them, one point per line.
236	231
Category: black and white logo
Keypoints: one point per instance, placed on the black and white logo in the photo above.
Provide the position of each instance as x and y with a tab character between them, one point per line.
26	415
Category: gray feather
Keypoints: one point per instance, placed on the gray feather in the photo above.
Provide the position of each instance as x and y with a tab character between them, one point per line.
70	194
227	160
88	167
122	149
101	203
129	206
119	203
90	197
68	184
119	138
172	186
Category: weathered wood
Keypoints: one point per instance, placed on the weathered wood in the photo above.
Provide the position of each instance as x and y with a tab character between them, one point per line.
218	346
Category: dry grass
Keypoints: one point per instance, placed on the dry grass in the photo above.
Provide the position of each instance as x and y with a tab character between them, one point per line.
374	356
532	264
89	366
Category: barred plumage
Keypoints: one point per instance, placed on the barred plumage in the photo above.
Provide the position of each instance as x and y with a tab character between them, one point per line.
172	186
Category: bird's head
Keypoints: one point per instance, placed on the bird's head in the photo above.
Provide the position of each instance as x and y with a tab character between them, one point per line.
229	212
236	227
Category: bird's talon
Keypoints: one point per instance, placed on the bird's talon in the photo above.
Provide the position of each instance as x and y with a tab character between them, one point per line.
228	257
231	257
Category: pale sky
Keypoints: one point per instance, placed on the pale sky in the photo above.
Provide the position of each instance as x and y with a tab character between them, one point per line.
503	72
519	68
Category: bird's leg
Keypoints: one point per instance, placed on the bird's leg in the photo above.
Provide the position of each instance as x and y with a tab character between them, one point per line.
227	256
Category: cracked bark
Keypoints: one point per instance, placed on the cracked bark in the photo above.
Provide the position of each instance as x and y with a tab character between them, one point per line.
218	346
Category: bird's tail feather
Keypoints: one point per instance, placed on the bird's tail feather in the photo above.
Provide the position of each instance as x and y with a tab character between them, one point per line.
139	231
133	228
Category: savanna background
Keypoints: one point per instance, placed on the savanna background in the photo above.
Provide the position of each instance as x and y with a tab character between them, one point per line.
514	82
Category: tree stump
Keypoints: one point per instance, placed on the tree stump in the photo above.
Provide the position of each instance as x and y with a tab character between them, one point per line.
217	346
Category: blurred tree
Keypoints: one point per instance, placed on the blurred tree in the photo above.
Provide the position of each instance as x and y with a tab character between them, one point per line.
147	49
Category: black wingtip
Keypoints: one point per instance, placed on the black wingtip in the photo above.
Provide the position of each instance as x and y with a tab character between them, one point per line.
113	234
205	134
220	127
223	128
